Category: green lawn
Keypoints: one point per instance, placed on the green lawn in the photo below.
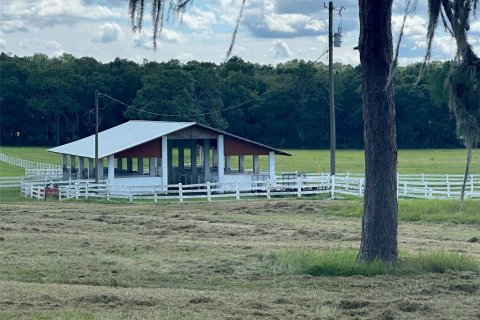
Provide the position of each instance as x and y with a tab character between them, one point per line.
440	161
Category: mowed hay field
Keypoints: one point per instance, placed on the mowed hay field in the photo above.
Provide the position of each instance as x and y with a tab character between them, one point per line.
429	161
91	260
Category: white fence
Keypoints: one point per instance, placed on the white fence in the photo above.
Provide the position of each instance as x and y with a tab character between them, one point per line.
409	186
30	165
10	182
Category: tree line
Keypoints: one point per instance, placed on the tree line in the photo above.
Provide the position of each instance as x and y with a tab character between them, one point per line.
50	101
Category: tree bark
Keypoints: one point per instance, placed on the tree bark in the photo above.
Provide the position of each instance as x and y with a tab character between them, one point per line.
379	224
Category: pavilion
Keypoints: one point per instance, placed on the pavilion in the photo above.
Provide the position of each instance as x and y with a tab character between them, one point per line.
177	152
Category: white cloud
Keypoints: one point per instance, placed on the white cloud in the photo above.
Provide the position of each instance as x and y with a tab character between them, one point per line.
171	36
22	15
263	20
281	50
144	39
199	20
3	44
107	33
52	44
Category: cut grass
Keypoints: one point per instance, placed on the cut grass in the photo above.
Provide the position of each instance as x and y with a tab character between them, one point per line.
341	262
417	210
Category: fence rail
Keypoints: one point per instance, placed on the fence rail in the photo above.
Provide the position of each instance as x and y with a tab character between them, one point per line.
10	182
27	164
409	186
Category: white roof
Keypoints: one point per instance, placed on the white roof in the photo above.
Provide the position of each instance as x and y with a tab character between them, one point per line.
121	137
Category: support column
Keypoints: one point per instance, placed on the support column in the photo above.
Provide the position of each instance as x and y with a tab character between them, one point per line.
129	165
181	162
228	163
170	163
159	167
64	163
100	169
165	161
91	168
221	159
206	162
151	166
215	157
81	166
72	164
193	161
241	164
271	165
140	166
111	168
119	164
256	164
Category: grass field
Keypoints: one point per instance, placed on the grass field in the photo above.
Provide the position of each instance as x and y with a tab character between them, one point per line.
443	161
220	260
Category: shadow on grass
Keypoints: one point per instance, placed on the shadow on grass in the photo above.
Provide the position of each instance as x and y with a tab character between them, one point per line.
342	262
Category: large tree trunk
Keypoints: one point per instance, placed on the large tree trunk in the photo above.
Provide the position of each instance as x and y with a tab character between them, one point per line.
379	225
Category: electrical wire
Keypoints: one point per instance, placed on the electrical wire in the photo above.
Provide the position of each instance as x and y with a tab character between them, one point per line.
181	115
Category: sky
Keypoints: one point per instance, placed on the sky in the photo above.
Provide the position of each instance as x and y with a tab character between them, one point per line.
271	31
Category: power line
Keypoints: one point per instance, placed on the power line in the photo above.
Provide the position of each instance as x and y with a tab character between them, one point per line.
180	115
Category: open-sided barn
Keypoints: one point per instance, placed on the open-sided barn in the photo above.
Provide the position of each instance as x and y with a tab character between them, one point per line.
177	152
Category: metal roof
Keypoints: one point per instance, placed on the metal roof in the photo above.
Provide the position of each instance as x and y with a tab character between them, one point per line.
134	133
121	137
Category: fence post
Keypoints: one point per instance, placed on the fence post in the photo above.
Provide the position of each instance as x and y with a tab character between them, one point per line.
130	196
77	191
180	192
86	190
332	187
448	187
237	190
268	189
209	194
31	190
360	188
299	187
155	195
471	184
108	191
405	188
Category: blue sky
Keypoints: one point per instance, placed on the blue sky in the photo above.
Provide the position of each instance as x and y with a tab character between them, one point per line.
271	31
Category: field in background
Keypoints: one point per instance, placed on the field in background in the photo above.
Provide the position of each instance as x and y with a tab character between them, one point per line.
82	260
441	161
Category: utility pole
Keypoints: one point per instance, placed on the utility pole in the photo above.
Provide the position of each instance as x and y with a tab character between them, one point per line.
330	89
96	136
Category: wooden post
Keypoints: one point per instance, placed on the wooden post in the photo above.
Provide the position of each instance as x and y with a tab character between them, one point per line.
140	166
256	164
193	161
129	165
164	163
206	159
151	166
241	164
221	159
119	164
